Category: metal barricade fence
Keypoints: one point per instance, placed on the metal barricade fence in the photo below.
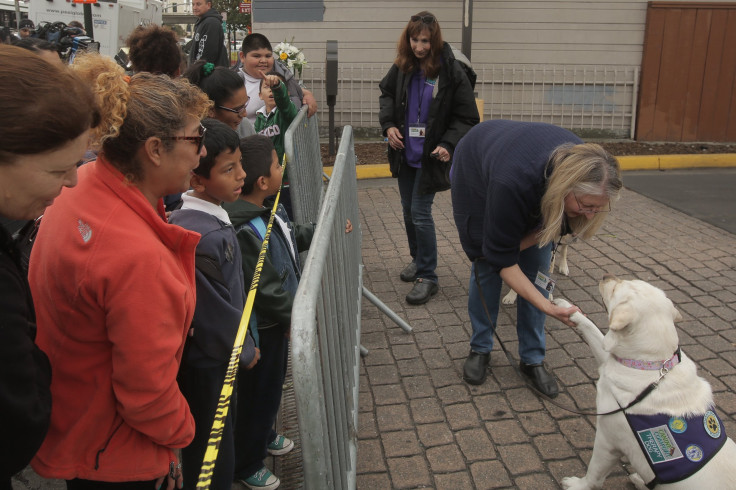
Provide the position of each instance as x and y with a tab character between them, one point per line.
304	167
325	333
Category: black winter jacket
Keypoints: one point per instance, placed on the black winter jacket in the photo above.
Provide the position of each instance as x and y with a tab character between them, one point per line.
209	40
452	113
25	372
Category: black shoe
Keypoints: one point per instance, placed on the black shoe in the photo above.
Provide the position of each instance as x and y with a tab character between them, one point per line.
421	292
409	274
475	369
542	379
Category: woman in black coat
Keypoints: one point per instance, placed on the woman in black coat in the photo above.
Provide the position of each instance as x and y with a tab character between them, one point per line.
426	106
44	132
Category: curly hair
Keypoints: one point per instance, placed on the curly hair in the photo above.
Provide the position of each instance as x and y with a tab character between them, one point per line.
40	113
137	108
405	59
154	49
584	169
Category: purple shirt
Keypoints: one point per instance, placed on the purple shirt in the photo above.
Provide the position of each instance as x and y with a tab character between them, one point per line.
419	98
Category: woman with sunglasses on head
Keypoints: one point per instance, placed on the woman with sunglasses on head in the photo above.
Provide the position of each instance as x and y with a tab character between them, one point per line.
114	288
426	106
39	151
517	187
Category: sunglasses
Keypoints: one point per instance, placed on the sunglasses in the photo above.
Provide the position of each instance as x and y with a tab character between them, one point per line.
236	110
198	140
427	19
592	209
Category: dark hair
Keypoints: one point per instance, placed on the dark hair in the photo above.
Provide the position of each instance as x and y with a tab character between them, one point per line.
257	157
279	75
44	106
35	44
219	137
255	41
219	85
154	49
405	59
137	108
75	23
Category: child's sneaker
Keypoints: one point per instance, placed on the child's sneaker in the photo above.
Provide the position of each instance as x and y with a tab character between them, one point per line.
280	445
262	479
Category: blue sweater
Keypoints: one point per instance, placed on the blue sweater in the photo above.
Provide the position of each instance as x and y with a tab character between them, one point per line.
498	180
220	297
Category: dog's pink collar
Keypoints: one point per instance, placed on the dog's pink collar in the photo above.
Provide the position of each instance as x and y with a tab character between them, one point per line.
651	365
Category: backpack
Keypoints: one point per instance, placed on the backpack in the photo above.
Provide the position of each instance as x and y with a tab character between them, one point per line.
465	64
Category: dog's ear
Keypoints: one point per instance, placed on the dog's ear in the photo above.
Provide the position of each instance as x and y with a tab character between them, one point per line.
621	316
676	314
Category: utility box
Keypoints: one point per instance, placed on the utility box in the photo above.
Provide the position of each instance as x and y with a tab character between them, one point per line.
331	70
331	89
112	21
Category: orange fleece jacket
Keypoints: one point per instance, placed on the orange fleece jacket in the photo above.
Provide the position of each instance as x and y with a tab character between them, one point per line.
114	291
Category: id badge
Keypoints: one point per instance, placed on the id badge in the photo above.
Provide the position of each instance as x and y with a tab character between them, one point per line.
544	282
417	130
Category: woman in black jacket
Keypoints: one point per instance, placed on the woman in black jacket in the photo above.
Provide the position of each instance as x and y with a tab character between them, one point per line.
426	106
44	132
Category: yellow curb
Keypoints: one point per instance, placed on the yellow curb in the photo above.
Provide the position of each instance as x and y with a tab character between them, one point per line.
671	162
642	162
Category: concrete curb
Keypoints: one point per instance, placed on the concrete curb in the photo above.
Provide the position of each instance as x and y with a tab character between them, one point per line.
644	162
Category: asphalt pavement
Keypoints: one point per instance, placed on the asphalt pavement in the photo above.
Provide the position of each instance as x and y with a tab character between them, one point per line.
705	194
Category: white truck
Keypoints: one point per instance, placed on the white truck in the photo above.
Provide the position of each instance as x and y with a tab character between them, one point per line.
112	20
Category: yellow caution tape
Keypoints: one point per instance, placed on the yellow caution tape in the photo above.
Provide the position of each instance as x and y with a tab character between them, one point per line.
223	404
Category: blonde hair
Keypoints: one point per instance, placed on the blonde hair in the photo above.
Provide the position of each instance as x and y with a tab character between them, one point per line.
584	169
137	108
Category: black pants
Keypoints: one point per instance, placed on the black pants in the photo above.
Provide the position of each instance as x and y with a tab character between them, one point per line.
201	387
259	398
78	484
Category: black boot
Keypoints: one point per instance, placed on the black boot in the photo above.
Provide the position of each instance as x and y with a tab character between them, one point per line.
542	379
421	292
475	369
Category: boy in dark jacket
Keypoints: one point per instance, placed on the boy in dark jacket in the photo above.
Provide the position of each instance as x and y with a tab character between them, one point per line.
220	298
262	386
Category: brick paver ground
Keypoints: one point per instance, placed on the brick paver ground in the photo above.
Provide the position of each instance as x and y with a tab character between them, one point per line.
422	426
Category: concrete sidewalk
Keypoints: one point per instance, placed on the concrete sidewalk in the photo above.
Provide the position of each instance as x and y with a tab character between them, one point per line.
422	426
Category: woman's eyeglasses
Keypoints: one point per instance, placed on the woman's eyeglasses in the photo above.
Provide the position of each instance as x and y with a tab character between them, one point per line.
592	209
236	110
427	19
198	140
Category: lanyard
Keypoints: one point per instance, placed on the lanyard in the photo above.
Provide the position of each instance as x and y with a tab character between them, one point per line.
422	85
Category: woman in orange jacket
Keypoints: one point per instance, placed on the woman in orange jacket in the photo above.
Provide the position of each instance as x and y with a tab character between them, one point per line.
114	289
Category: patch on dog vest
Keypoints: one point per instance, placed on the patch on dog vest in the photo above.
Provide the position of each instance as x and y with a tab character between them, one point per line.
677	447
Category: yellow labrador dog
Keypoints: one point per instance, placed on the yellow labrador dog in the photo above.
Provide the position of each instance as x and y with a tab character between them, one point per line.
672	437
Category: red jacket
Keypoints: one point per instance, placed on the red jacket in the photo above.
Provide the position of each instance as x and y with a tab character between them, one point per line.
114	291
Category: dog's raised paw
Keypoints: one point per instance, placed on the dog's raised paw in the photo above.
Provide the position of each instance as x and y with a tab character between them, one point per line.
563	303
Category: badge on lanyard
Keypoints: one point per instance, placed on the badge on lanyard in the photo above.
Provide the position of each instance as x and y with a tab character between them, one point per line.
417	130
544	282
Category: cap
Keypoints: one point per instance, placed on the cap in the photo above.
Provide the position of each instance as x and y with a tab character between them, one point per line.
26	24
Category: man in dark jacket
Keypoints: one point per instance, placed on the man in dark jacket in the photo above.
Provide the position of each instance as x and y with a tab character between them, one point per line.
209	39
